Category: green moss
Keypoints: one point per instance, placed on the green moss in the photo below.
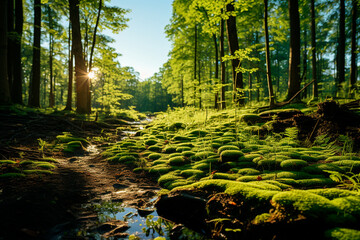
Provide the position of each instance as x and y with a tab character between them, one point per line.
315	182
68	137
73	146
188	153
155	148
267	164
319	168
293	164
169	177
198	133
37	171
338	158
7	162
154	156
248	171
227	147
251	119
227	176
293	175
178	161
151	142
169	149
12	175
192	172
45	165
247	178
230	155
121	159
349	205
352	165
203	155
304	202
176	126
342	234
332	193
261	218
160	169
250	157
201	166
183	149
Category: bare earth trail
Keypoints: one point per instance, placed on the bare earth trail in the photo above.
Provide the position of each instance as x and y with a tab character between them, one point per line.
47	206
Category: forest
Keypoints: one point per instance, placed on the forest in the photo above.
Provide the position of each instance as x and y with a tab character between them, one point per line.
249	130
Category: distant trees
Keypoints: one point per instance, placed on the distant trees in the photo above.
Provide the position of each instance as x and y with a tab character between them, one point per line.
4	83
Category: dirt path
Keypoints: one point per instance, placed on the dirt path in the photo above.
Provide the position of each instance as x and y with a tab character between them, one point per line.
44	206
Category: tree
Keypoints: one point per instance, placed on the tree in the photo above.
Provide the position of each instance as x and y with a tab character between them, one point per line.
340	77
34	91
16	90
313	50
222	65
353	67
81	77
51	56
71	73
234	46
267	47
4	83
294	57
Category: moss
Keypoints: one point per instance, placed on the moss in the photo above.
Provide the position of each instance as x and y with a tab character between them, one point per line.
349	205
181	138
293	175
12	175
319	168
201	166
7	162
198	133
248	171
122	159
338	158
37	171
127	144
230	155
151	142
227	147
169	149
268	164
68	137
192	172
155	148
352	165
203	155
315	182
342	234
160	161
261	218
332	193
176	126
183	149
304	202
178	161
247	178
45	165
293	164
154	156
251	119
227	176
249	157
73	146
160	169
169	177
174	155
188	153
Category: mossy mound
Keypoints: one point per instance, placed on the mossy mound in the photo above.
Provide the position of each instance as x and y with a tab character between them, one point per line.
154	156
231	155
73	146
293	164
342	234
227	147
178	161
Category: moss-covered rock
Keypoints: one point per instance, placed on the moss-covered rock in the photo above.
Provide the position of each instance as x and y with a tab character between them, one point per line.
231	155
169	149
150	142
178	161
227	147
342	234
155	148
183	149
154	156
350	165
192	172
198	133
203	155
293	164
248	171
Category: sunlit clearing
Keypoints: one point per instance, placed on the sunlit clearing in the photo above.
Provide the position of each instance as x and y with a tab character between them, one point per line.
91	74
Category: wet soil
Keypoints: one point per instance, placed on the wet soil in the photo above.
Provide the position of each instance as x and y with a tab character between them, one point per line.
42	206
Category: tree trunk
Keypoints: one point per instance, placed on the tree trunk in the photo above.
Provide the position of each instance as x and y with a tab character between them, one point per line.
222	65
18	71
94	36
34	91
182	91
313	51
195	62
234	46
341	49
71	74
216	70
4	83
10	43
51	48
353	67
81	76
267	53
294	58
199	77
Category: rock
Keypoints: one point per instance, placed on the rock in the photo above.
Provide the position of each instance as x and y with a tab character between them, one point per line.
144	212
119	186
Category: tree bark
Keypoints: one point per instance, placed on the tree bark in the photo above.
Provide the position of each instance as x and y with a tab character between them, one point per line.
222	65
353	67
16	90
216	70
81	76
313	51
268	64
71	74
341	49
34	91
94	36
51	48
4	83
195	62
234	46
294	58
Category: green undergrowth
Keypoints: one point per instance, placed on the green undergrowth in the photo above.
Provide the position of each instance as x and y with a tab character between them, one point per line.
224	152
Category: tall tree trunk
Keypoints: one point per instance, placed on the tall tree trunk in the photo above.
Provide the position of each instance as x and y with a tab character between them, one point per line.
10	43
313	51
216	70
4	83
195	62
51	49
234	46
222	65
199	78
71	73
353	67
268	64
34	91
341	49
182	91
294	58
81	76
18	71
304	73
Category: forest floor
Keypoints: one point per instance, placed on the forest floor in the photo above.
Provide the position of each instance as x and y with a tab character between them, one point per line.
41	206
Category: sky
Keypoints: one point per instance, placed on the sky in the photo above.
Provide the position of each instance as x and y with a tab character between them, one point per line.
143	44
